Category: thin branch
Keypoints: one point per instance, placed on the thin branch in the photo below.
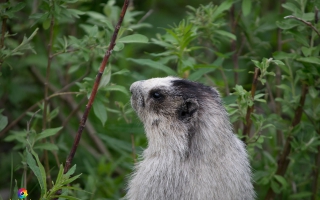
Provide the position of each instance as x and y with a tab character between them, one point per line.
73	104
315	175
280	136
145	16
305	22
30	109
3	31
45	105
95	88
283	161
247	125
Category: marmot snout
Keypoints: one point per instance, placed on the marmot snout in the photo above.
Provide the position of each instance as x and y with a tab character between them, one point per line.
192	152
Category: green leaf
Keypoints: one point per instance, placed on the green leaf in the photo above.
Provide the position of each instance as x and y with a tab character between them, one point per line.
281	180
225	5
71	170
301	195
284	87
121	72
275	187
278	62
72	179
46	146
60	175
100	111
117	88
118	47
280	55
154	64
292	7
47	133
3	122
246	7
312	60
106	76
135	38
37	171
17	7
226	34
306	51
15	191
199	73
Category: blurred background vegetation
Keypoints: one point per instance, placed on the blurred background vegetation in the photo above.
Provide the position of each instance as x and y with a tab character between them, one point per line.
265	66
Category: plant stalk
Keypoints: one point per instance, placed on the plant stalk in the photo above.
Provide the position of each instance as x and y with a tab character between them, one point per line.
283	161
247	125
95	88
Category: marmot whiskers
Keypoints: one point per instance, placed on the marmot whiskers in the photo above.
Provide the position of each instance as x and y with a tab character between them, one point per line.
192	153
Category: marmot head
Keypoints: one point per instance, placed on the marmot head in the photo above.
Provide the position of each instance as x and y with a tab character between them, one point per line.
172	110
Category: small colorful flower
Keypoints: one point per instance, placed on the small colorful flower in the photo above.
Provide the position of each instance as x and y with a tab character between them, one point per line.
22	193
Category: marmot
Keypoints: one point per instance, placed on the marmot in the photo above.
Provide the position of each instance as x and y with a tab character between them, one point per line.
192	152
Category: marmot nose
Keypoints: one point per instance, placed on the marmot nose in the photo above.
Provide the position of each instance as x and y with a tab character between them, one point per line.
134	86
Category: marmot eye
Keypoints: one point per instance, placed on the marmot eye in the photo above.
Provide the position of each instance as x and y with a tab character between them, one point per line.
156	95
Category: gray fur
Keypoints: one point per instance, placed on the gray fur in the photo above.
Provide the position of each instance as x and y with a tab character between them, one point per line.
192	153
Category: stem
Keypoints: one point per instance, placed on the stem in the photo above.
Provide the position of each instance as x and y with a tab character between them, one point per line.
247	125
3	33
315	174
95	88
45	105
305	22
280	136
283	161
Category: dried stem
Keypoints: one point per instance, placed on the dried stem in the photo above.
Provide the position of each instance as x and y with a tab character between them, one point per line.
305	22
145	16
283	161
247	125
95	88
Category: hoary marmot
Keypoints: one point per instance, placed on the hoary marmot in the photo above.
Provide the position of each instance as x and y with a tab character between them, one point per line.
192	152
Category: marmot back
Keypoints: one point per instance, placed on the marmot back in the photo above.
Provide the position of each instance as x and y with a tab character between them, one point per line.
192	153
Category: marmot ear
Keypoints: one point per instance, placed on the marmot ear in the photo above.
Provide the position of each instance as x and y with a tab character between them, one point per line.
188	108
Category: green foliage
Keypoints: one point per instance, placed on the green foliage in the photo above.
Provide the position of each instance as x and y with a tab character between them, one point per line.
61	43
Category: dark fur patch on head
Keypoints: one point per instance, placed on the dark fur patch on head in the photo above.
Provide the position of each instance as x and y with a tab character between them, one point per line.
156	123
188	89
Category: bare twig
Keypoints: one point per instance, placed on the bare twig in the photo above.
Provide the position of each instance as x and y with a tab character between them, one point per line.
283	161
95	88
73	104
145	16
247	125
305	22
